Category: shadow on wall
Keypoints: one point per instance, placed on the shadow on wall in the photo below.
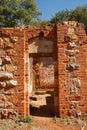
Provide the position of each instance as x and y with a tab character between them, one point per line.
42	104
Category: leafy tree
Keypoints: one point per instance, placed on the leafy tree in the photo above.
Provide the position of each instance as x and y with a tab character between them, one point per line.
40	22
17	12
61	16
78	14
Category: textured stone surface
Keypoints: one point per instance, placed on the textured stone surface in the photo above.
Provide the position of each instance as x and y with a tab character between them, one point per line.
11	83
2	84
8	46
11	52
0	61
7	60
71	45
5	75
10	68
2	53
1	43
2	97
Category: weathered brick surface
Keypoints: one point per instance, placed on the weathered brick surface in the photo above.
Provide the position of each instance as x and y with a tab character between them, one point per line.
11	41
72	69
64	44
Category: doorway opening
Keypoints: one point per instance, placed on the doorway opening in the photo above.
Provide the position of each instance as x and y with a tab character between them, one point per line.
41	77
42	86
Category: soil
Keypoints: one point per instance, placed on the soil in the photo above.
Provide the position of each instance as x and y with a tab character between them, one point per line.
45	123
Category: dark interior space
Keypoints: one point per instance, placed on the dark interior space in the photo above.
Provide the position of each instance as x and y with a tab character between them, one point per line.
42	103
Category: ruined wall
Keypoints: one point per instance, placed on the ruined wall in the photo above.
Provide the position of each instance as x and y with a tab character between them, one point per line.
72	69
48	52
69	40
11	72
69	55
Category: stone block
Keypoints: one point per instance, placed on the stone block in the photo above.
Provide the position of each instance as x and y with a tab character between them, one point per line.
2	97
73	74
73	90
8	46
71	112
67	38
71	52
12	115
2	105
8	105
11	83
2	84
1	43
72	67
73	105
9	93
65	22
72	60
78	113
70	31
71	45
6	40
7	60
0	61
72	23
11	68
74	82
11	52
74	38
2	68
5	76
13	39
8	113
2	53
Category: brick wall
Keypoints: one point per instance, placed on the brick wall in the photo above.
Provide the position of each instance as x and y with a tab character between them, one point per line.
11	72
72	69
69	56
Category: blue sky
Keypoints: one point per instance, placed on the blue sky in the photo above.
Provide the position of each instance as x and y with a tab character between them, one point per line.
50	7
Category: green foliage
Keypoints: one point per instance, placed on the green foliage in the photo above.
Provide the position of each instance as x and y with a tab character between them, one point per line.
25	120
40	22
66	120
17	12
61	16
55	118
78	14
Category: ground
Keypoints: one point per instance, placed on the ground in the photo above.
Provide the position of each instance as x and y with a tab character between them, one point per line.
45	123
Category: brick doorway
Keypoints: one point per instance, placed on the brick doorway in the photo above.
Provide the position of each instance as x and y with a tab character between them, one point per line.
42	85
41	78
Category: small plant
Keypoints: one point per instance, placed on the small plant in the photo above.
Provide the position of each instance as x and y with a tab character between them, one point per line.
5	126
55	118
25	120
66	120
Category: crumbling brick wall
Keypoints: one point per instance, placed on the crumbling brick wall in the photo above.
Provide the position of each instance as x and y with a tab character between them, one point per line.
72	69
11	72
70	73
